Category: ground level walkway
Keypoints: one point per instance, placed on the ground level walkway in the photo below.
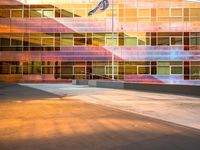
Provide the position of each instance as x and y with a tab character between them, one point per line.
67	117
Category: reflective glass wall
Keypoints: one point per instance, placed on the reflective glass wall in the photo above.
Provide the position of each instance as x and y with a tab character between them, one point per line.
55	40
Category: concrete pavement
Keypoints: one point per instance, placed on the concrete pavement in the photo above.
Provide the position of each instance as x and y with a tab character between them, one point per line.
178	109
31	119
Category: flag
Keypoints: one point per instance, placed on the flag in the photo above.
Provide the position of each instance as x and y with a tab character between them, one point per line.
103	5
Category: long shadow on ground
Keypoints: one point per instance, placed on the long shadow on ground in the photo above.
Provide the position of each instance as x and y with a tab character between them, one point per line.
9	91
40	123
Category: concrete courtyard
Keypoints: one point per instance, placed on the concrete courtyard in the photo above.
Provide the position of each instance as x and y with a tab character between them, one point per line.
69	117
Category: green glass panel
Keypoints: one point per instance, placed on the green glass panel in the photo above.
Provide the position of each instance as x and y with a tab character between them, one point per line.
48	13
163	70
176	70
98	70
176	41
195	72
109	42
36	13
143	70
130	41
67	42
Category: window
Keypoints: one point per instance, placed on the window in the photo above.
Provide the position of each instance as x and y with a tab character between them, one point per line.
34	68
48	13
176	70
143	41
48	41
66	42
66	13
79	13
130	69
176	12
15	69
16	42
109	40
163	68
130	41
109	13
66	39
4	42
79	41
163	41
110	43
143	70
131	12
163	12
195	41
109	70
36	13
17	13
195	70
68	69
98	39
176	41
35	41
79	70
4	13
143	12
98	70
195	12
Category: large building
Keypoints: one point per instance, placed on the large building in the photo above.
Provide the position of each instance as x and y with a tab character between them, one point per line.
55	40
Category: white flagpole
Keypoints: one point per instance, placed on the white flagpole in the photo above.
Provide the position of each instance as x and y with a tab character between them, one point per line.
113	77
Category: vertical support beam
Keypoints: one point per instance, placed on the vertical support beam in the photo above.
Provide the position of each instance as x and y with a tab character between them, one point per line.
153	67
113	59
186	70
186	41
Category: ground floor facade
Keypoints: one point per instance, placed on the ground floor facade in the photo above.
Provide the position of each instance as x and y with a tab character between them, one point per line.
135	71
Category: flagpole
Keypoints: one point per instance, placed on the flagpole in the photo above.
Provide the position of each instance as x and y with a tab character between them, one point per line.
113	77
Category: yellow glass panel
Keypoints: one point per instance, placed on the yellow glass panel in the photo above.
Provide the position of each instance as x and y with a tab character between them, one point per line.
79	13
144	19
194	18
109	13
195	12
163	12
143	12
176	12
131	34
130	19
48	41
121	12
98	42
131	12
35	41
167	19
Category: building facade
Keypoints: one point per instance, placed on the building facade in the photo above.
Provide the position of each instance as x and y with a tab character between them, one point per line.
55	40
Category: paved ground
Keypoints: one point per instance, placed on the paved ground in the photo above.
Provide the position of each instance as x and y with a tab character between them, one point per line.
182	110
31	119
